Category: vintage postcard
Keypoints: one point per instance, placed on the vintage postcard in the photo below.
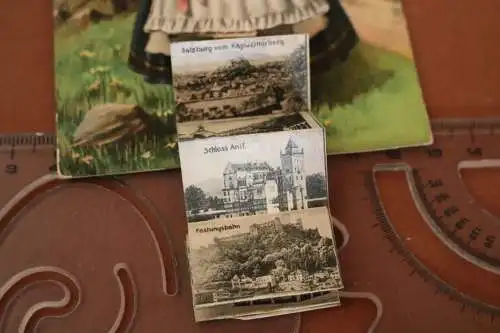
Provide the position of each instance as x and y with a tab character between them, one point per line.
265	79
253	174
249	265
113	78
257	205
109	118
239	77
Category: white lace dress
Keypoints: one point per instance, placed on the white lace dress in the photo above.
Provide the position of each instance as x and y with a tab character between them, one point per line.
174	17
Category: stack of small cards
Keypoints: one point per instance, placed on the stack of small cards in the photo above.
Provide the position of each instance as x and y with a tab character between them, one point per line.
260	240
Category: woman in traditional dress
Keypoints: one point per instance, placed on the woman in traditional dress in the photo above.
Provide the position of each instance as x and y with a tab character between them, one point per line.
159	22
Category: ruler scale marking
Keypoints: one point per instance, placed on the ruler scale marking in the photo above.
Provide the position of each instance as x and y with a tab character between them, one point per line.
24	157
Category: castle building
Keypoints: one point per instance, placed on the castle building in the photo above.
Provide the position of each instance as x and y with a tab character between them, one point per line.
271	226
294	178
257	188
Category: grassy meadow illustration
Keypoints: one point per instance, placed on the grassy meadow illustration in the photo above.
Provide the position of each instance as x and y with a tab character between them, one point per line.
91	69
110	120
373	101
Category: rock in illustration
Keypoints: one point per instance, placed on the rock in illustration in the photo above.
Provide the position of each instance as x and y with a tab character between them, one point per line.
81	12
84	17
113	123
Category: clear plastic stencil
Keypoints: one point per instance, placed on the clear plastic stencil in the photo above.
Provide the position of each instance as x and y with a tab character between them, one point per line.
99	255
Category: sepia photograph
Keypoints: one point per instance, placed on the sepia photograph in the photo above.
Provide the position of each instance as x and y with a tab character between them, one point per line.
253	174
200	129
254	258
221	79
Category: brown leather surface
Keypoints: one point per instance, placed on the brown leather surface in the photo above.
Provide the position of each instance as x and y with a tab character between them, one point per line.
456	49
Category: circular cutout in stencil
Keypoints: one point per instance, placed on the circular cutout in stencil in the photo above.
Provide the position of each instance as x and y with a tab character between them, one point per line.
401	208
483	185
376	259
95	253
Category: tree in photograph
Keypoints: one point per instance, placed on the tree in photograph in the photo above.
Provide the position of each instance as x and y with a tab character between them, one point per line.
327	252
239	67
297	65
278	93
280	271
316	186
278	253
257	270
295	258
215	202
195	198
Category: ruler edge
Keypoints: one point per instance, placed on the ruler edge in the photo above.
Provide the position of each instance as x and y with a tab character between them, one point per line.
436	124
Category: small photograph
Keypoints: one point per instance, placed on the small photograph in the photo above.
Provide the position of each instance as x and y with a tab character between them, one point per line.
253	174
201	129
218	79
262	257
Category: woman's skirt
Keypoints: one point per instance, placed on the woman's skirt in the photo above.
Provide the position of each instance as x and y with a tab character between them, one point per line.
150	46
225	16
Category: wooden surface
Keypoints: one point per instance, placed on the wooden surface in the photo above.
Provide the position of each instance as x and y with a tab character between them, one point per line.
456	50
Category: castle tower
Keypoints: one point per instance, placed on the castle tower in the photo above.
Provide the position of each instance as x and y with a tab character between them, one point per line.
292	164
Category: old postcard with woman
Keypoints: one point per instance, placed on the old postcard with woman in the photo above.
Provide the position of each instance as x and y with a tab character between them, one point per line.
253	159
113	76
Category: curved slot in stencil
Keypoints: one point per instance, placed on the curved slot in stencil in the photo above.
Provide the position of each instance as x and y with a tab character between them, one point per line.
426	216
444	279
37	191
298	323
343	231
481	180
158	230
358	295
372	298
34	192
128	302
70	301
21	201
449	239
63	307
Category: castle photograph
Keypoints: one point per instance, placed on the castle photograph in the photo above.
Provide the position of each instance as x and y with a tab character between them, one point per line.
250	258
244	176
